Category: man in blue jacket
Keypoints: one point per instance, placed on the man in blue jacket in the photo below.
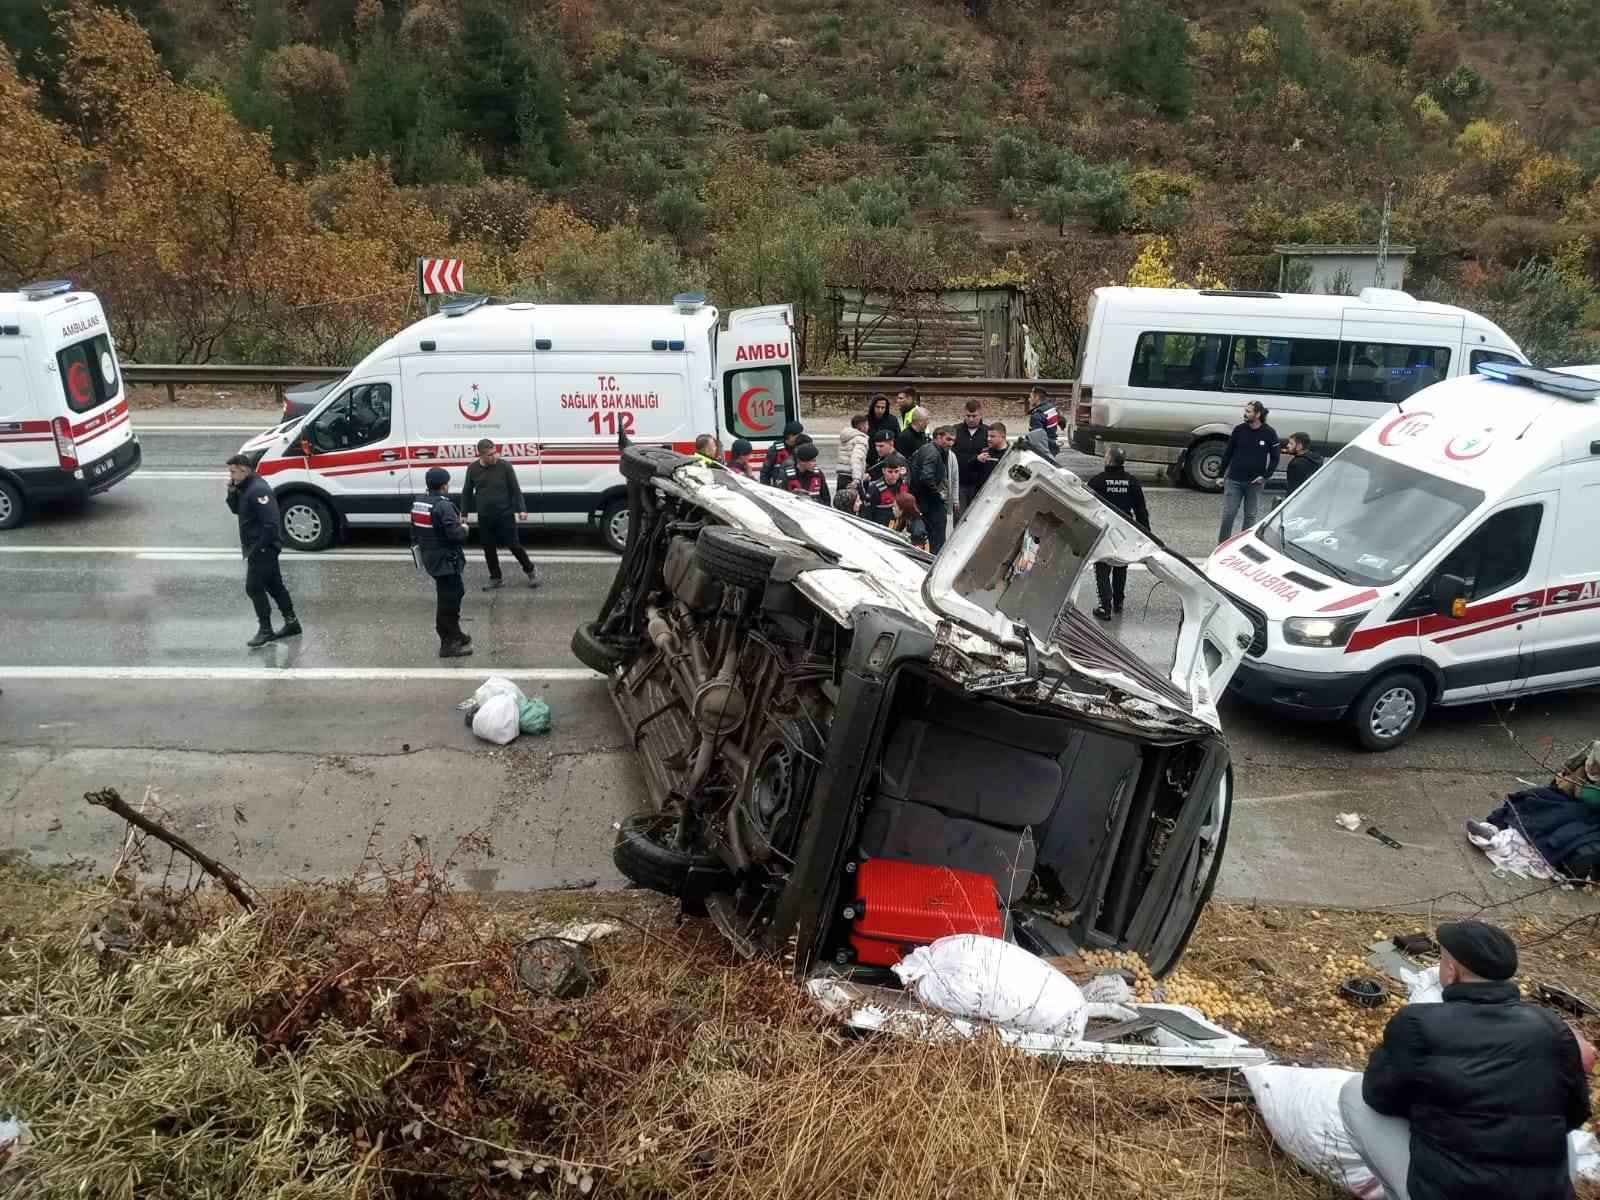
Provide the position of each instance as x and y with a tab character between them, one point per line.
1249	460
436	536
250	498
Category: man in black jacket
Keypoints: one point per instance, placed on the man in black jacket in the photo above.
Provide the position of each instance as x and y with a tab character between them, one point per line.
989	457
915	435
780	458
1125	494
929	477
972	435
250	497
492	485
1303	461
436	537
1248	462
805	478
1473	1097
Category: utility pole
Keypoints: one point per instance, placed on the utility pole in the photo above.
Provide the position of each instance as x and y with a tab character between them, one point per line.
1383	236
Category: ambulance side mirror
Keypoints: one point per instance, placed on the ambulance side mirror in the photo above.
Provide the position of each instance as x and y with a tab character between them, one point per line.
1450	596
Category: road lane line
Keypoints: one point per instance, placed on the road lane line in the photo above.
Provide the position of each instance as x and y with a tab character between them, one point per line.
146	475
162	430
291	674
232	552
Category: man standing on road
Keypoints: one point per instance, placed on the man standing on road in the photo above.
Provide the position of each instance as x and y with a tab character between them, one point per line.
250	497
853	446
775	470
1125	494
436	537
989	457
877	495
1473	1096
1303	461
915	435
492	483
930	483
1042	414
905	405
1249	460
882	446
972	435
806	479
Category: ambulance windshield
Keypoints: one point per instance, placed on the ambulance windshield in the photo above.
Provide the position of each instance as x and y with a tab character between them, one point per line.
1366	519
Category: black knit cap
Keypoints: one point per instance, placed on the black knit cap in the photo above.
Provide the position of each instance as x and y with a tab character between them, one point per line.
792	428
806	452
1488	952
884	435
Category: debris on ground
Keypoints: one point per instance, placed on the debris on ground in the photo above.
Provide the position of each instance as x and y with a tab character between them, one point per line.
1348	821
499	711
14	1139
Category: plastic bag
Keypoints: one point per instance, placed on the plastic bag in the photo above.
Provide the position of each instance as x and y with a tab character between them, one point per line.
497	720
970	975
1300	1106
495	685
533	716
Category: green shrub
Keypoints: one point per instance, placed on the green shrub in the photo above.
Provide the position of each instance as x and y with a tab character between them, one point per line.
753	111
864	109
810	109
784	143
830	37
944	163
1056	206
882	205
836	133
912	128
1386	28
684	119
680	211
939	194
1152	56
1009	155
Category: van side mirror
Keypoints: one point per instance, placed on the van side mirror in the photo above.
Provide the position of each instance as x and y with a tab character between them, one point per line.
1450	596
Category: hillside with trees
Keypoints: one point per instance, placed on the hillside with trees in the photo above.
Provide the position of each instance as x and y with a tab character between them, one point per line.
253	182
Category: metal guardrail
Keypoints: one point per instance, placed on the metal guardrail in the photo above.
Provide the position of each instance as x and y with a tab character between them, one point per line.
175	375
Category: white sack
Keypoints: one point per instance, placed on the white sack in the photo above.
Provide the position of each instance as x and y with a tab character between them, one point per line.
496	685
984	978
498	720
1300	1106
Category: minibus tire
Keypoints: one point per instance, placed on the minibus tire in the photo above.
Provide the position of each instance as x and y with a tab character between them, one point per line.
733	556
314	509
1382	702
13	508
642	856
593	651
1211	448
641	464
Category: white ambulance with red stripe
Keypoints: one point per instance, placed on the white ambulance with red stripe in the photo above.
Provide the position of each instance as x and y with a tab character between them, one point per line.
555	387
1448	555
65	432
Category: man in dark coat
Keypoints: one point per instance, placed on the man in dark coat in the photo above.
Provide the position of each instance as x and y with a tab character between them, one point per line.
1472	1097
436	536
1125	494
972	437
1303	461
251	500
492	486
929	477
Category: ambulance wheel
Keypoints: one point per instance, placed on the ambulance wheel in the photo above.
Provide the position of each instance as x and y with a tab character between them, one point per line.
12	508
594	652
1390	710
1202	466
614	524
734	556
306	523
645	855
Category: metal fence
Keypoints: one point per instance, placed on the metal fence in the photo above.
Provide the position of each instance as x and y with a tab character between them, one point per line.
175	375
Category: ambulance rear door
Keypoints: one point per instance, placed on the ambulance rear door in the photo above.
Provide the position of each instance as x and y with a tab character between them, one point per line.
758	376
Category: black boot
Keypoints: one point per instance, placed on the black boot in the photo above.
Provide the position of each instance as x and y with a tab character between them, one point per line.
262	637
291	628
456	649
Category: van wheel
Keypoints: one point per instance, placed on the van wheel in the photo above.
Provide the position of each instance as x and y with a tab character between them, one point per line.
1388	712
593	651
12	508
614	524
306	523
733	556
1202	466
645	855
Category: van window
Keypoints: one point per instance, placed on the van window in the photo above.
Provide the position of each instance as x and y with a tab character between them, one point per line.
758	403
1498	553
1492	356
1388	374
357	418
1288	366
1179	360
88	373
1366	519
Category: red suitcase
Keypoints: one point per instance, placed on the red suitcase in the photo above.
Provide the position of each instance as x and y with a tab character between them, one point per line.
899	906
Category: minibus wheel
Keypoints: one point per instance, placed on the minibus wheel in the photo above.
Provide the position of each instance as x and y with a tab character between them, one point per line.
1202	466
1390	710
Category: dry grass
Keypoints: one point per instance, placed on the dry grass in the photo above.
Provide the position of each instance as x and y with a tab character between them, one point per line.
687	1073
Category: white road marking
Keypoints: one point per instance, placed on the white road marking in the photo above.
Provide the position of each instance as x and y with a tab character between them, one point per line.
148	475
292	674
1294	796
143	428
205	553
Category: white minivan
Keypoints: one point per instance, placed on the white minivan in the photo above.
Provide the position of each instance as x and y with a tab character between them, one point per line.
65	430
1164	372
1446	556
555	386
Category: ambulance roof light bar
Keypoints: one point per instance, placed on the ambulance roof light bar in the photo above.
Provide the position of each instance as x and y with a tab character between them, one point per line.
45	288
689	302
1570	387
460	306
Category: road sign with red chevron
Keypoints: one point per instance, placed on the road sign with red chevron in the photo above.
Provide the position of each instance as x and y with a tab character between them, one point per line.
437	276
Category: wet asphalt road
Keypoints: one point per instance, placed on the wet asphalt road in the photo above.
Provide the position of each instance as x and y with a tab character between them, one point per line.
122	661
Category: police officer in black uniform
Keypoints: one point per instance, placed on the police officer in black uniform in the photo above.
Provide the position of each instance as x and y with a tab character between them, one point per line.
250	498
437	533
1122	492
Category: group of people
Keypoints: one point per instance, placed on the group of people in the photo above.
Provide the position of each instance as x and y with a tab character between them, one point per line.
1250	458
438	530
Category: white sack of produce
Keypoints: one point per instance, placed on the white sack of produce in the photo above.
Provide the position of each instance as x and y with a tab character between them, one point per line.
498	720
986	979
1300	1106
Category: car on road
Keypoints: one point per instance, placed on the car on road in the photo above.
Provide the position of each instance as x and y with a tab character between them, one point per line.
806	692
303	397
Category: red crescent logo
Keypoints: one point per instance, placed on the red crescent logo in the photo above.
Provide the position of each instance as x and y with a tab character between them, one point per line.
748	420
80	384
461	405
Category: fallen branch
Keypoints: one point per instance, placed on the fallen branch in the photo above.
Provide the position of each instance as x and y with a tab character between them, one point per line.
107	798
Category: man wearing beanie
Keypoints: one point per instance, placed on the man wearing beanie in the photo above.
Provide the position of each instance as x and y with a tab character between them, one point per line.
739	462
806	479
436	537
1474	1096
780	459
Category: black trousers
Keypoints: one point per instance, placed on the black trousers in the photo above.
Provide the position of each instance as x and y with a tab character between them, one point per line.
500	529
935	512
1111	583
447	613
262	579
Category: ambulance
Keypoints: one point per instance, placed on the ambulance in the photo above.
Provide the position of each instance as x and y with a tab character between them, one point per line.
1446	556
65	432
555	386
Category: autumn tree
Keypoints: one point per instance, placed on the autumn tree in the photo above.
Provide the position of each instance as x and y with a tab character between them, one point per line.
46	212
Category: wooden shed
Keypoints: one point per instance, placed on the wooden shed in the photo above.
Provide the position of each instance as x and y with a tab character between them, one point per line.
971	332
